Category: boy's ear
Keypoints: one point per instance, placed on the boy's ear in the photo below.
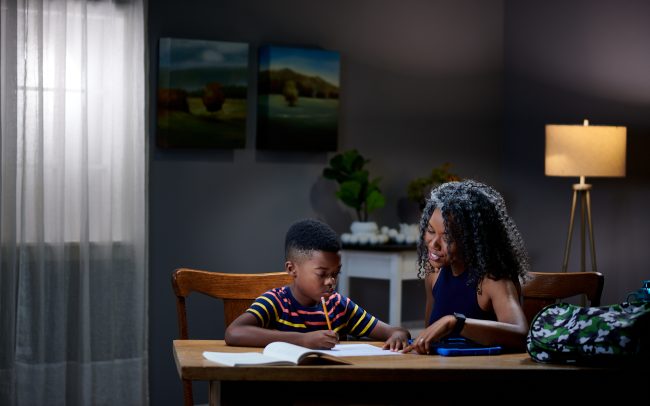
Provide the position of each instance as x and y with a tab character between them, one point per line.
290	267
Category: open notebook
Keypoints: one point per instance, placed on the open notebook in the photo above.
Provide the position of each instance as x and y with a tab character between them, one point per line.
281	353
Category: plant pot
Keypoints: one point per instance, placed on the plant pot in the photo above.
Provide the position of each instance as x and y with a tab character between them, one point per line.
364	227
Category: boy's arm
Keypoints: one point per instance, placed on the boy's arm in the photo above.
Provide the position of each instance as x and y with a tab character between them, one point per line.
245	331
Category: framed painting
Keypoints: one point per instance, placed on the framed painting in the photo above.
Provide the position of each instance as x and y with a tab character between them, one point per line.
202	88
298	99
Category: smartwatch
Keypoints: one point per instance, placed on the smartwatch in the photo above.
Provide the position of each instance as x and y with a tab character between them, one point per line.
460	323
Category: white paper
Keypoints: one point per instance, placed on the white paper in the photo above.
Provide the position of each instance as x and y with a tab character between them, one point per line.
281	353
358	350
242	358
287	351
276	353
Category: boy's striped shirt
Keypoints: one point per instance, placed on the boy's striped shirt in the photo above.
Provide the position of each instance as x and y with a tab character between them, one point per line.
277	309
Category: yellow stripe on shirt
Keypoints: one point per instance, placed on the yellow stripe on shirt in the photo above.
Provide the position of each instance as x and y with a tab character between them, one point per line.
256	314
272	305
360	319
268	316
372	318
286	323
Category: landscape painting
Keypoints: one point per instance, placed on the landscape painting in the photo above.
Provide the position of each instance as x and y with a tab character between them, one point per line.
202	87
298	99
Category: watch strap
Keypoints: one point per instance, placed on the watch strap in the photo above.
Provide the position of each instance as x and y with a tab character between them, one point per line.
460	323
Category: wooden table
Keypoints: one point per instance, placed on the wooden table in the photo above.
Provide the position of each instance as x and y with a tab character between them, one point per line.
402	379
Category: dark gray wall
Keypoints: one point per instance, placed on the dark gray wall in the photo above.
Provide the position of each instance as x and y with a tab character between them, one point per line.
421	84
566	61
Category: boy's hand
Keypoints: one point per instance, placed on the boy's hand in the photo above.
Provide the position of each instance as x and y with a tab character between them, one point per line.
321	339
398	340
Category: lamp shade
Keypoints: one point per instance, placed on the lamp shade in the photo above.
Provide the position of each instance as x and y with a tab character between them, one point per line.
585	150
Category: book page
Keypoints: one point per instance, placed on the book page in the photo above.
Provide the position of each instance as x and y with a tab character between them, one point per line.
281	353
288	352
243	358
358	350
296	353
276	353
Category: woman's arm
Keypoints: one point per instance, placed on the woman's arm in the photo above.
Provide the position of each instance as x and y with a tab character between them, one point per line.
429	280
511	327
509	330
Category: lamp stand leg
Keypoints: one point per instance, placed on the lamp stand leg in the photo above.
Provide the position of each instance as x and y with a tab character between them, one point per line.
567	248
585	209
582	231
583	189
591	232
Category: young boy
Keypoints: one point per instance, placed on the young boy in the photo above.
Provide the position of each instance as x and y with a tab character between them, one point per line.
295	313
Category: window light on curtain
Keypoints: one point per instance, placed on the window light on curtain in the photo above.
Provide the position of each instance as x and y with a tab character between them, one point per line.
73	277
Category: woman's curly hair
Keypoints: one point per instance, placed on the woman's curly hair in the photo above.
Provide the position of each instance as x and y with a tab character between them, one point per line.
475	218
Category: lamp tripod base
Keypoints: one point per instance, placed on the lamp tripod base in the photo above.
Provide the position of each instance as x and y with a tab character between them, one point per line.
581	190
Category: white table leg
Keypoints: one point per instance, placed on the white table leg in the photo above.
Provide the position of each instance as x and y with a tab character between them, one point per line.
395	294
343	282
395	267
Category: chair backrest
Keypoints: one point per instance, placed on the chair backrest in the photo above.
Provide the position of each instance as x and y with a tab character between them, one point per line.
544	288
237	291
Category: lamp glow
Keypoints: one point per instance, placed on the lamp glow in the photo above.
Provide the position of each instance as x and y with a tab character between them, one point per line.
585	150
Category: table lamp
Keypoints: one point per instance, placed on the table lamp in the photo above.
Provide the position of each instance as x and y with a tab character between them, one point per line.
584	150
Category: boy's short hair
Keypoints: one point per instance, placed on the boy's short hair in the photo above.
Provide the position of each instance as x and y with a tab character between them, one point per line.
308	235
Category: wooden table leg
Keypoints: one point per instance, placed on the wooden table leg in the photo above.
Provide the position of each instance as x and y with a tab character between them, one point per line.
215	393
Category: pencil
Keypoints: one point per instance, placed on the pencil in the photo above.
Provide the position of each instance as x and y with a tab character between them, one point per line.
327	316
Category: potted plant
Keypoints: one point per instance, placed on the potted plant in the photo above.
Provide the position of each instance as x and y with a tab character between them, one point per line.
419	188
356	190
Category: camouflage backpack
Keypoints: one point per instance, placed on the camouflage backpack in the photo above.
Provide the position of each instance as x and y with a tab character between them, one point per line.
566	333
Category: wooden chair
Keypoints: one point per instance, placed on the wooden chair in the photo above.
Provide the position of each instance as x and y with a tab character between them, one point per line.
544	288
237	291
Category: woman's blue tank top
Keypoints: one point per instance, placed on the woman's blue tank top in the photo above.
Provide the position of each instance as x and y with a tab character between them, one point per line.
453	294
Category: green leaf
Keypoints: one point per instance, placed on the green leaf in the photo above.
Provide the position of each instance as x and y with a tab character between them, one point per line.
347	160
355	188
374	201
358	163
359	176
349	194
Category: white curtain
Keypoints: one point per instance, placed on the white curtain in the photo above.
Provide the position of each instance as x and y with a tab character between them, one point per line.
73	280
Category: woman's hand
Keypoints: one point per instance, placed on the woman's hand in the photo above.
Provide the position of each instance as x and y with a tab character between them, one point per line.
432	334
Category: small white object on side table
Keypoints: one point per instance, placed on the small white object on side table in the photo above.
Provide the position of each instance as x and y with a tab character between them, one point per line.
394	262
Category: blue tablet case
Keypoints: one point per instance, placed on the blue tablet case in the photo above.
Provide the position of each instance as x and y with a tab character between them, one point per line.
460	346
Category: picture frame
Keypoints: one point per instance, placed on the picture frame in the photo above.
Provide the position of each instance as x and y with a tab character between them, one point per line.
202	93
298	99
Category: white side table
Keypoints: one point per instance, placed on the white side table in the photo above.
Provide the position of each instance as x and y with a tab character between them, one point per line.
395	265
